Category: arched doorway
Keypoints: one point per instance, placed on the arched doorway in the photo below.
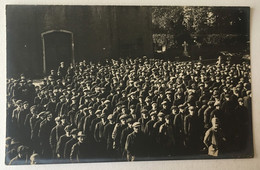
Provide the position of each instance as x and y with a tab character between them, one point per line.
58	45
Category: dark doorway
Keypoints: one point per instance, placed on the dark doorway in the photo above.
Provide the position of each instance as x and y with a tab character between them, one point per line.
57	47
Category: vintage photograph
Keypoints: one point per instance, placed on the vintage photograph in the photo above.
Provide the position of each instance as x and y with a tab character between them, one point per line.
127	83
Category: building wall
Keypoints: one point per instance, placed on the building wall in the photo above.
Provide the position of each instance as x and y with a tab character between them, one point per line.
99	32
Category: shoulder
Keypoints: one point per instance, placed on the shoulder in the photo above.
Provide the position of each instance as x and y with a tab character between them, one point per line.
13	161
208	132
131	135
75	146
63	137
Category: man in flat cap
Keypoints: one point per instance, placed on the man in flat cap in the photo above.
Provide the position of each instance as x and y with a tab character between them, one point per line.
167	138
144	119
206	114
34	159
133	113
99	135
217	112
62	142
119	127
51	106
81	151
35	128
62	70
44	135
214	139
93	125
108	130
88	120
21	158
136	144
242	127
191	130
56	132
151	134
179	128
59	105
68	146
124	134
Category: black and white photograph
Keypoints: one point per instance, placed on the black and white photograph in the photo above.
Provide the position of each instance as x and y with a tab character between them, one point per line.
93	83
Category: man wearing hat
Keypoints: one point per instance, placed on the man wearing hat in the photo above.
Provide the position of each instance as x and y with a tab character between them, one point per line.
34	159
62	142
133	113
116	134
35	126
167	138
99	135
68	146
59	104
24	111
21	157
70	117
207	113
81	151
93	124
154	107
151	134
79	117
62	70
144	119
133	100
44	135
217	112
191	131
17	109
214	139
149	130
108	130
136	144
88	120
160	121
56	132
165	106
241	126
179	128
51	105
65	107
179	99
27	128
124	134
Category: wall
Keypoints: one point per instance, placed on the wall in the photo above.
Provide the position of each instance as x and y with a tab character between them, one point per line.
99	32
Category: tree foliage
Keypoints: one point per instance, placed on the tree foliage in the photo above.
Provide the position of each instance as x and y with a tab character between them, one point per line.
185	23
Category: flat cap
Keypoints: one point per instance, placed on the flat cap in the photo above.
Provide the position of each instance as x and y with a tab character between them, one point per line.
192	108
211	103
124	116
110	117
103	115
98	112
74	131
136	124
68	128
182	106
153	113
217	103
164	102
160	114
81	134
106	101
240	99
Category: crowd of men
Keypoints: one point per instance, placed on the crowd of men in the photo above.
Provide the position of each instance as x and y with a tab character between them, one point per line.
129	109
